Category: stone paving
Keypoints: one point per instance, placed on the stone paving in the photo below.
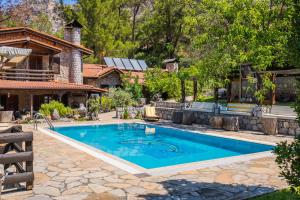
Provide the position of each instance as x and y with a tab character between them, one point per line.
63	172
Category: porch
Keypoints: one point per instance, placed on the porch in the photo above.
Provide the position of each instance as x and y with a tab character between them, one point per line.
27	97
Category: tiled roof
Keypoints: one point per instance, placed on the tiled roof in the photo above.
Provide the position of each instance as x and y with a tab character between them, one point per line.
45	35
97	71
37	85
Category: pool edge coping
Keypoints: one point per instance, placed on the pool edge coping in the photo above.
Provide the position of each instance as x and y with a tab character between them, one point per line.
136	169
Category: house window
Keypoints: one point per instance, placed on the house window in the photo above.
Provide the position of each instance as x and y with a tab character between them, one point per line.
47	99
35	62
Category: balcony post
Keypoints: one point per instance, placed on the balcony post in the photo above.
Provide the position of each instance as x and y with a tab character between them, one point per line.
31	105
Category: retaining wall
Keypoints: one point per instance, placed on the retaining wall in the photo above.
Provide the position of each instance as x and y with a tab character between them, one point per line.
286	126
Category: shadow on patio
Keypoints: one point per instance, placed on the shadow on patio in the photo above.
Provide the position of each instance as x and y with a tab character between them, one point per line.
189	190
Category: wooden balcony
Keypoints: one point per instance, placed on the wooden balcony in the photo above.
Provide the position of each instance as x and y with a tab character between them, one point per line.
26	75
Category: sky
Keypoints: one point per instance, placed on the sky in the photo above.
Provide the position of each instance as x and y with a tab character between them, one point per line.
69	1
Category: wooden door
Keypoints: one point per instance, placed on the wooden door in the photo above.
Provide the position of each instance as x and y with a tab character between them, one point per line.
12	103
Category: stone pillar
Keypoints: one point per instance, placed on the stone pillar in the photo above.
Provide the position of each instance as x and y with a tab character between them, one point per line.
76	67
76	35
73	35
67	34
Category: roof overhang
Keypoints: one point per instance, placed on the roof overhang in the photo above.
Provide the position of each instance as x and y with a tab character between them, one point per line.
46	36
47	86
31	41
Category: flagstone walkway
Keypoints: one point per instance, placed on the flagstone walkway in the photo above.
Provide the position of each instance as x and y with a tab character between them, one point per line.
63	172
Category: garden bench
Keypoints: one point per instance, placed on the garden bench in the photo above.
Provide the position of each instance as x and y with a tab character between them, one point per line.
239	108
201	106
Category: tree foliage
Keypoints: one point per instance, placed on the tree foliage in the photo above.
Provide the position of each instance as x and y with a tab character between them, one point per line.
288	159
131	84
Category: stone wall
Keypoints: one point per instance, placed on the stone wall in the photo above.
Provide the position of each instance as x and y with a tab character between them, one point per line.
285	126
65	64
164	104
113	79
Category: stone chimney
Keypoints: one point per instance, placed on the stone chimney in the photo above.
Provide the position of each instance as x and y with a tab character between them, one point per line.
73	34
171	65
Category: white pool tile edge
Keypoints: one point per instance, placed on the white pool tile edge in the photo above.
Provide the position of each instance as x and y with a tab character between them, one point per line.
135	169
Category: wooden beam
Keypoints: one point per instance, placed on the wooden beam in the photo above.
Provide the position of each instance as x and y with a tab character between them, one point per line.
18	178
29	164
31	105
15	137
16	157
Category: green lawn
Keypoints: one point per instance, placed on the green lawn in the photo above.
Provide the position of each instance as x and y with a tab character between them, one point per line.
285	194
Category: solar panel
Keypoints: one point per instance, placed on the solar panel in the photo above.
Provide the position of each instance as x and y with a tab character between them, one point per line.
143	64
135	64
109	61
127	64
119	63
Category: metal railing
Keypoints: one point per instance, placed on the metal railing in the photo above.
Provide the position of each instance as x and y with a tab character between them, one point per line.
26	74
41	116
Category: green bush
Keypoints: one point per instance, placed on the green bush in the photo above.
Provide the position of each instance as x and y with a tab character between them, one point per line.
126	114
285	194
93	105
106	103
120	98
288	160
138	115
47	109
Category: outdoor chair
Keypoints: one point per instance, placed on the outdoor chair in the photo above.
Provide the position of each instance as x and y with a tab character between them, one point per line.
239	108
150	114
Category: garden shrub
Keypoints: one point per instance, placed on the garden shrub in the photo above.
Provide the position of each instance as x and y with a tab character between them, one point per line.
93	106
106	103
48	108
126	114
120	98
288	160
138	115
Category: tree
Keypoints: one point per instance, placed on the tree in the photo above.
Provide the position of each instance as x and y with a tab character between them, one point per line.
41	23
294	42
235	33
131	84
163	83
183	75
163	30
120	98
288	159
107	30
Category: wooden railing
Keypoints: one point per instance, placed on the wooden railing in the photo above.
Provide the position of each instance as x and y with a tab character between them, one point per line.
26	75
17	152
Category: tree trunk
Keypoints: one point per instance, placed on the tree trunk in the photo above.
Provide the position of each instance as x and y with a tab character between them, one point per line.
229	99
273	94
216	95
182	82
195	84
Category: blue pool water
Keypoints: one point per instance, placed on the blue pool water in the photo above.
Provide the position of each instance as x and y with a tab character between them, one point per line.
166	147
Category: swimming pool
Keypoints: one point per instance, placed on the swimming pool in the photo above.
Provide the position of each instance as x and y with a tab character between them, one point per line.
152	146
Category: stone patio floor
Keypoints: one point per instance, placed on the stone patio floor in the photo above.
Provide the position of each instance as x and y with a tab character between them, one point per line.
63	172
